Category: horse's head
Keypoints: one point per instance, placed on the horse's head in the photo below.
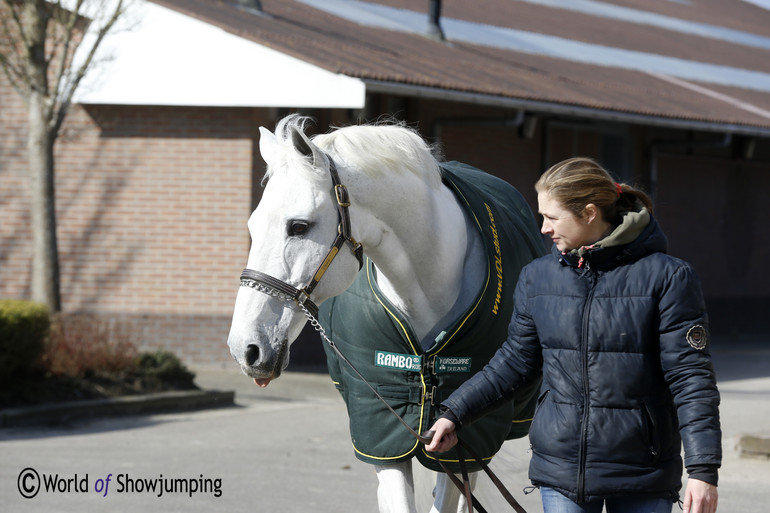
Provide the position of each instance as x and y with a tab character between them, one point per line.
292	231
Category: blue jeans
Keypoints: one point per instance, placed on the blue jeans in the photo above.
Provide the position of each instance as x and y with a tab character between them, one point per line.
554	502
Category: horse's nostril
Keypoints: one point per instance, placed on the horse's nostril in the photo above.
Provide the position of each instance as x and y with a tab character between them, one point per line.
252	354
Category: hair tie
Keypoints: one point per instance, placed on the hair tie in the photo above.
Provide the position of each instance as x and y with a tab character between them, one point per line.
618	188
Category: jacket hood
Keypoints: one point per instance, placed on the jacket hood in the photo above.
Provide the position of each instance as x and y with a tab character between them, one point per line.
637	235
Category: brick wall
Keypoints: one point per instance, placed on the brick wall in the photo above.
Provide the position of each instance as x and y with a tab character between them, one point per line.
152	205
15	242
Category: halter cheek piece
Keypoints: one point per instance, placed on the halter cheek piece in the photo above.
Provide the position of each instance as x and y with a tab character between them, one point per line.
278	288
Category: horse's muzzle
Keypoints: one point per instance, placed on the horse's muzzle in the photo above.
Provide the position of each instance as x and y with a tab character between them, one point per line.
263	364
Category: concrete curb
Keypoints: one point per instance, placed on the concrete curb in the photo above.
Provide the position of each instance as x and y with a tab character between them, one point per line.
66	412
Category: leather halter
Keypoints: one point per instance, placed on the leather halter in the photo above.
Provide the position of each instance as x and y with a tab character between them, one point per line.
273	286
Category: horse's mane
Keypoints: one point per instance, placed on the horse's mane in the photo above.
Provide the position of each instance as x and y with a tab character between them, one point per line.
375	149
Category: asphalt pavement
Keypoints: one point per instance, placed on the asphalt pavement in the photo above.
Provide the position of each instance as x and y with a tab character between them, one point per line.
286	448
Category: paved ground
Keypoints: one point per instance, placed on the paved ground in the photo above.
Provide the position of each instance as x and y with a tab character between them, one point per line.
286	449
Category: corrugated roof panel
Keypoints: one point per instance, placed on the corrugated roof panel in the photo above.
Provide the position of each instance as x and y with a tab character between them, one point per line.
733	81
642	17
402	20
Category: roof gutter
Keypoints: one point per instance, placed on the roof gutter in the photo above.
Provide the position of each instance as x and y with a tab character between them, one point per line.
434	93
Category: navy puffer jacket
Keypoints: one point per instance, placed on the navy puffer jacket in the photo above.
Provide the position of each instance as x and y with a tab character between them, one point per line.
620	335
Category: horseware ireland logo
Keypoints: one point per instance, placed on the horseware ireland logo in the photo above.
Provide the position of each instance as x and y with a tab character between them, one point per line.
407	362
453	364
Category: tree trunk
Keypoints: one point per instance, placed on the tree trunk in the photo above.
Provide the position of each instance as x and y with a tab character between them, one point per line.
27	24
45	260
40	140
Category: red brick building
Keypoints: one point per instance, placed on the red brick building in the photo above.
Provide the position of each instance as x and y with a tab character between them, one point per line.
154	188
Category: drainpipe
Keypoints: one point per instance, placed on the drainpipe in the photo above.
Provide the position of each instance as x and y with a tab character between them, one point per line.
726	141
252	5
434	21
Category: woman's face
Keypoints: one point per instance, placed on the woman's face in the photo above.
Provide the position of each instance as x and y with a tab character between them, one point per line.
565	229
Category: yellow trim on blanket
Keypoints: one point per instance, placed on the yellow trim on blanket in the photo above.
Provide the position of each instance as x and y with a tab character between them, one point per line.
422	376
446	340
486	283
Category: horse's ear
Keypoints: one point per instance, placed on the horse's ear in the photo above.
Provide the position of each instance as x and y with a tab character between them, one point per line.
268	144
303	145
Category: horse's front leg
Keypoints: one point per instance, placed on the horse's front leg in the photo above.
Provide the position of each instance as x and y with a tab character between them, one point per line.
395	493
447	498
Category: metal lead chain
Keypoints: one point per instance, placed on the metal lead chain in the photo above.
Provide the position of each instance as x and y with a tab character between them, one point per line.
426	437
317	326
270	291
422	438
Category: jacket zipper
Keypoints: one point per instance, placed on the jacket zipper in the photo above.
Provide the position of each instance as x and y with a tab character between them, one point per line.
652	431
584	424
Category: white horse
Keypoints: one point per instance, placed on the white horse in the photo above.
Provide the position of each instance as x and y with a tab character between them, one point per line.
402	215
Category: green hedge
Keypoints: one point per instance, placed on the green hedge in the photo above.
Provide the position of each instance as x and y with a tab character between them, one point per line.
24	326
164	366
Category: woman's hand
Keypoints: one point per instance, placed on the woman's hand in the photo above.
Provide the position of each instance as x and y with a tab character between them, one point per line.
699	497
444	436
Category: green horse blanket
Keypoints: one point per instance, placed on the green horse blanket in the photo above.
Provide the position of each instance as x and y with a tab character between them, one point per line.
373	335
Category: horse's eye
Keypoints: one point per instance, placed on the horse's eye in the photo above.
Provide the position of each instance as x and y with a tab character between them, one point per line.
298	228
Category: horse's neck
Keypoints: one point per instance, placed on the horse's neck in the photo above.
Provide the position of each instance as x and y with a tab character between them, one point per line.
430	261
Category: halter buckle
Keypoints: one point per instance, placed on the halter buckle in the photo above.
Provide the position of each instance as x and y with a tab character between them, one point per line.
358	250
303	296
341	192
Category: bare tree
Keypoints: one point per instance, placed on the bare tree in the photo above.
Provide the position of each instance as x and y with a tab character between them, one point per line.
46	48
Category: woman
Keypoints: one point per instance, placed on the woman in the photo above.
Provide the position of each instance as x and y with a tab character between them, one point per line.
618	330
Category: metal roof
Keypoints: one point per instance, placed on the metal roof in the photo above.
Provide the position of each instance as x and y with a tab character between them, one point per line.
702	64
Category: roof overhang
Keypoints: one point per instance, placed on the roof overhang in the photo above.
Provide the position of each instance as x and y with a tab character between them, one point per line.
167	58
535	106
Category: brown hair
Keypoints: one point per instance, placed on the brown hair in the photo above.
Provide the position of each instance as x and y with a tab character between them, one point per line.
578	181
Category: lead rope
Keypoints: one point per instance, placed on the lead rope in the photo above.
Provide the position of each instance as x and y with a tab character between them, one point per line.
464	485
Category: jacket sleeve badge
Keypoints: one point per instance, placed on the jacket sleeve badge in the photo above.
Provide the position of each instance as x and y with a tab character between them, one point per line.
698	337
